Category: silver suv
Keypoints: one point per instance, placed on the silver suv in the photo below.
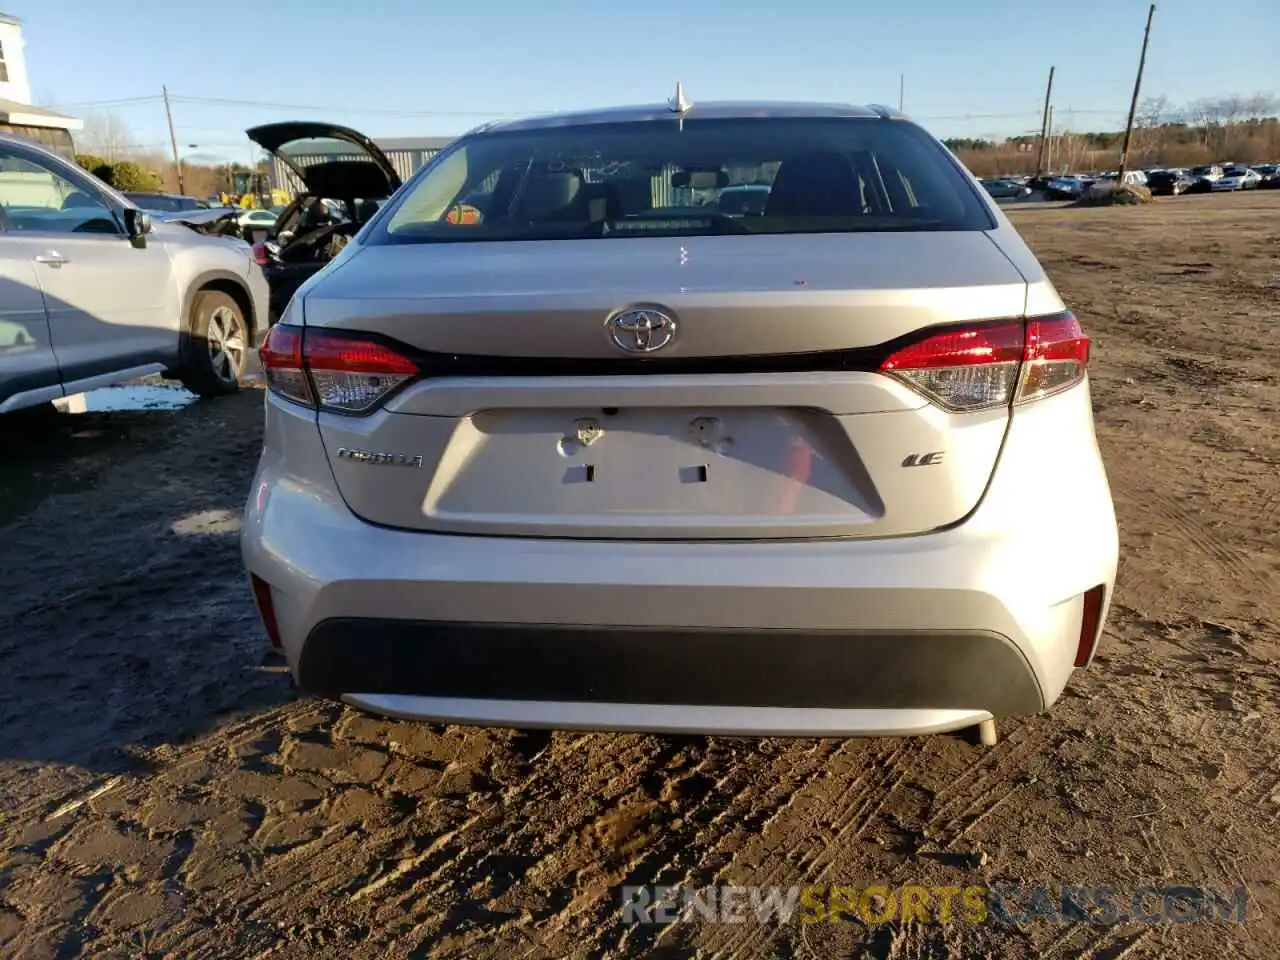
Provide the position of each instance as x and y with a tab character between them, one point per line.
91	293
600	455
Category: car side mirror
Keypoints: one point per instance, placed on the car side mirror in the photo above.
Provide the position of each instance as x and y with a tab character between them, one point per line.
137	224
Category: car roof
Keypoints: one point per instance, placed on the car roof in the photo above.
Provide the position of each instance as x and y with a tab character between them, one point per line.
718	110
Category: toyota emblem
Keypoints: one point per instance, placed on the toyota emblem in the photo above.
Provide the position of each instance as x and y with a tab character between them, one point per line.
642	330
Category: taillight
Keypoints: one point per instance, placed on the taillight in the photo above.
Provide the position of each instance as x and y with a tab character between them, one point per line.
281	356
260	256
1056	356
351	375
330	370
993	365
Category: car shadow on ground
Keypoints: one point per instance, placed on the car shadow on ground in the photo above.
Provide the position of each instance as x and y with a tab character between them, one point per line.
126	621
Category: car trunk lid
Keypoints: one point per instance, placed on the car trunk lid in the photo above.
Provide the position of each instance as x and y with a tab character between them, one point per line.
765	416
330	160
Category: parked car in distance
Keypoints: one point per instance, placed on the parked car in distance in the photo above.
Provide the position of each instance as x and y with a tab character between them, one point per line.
598	460
1270	174
1067	188
345	177
1168	183
258	219
1134	178
92	292
1203	177
1002	189
1237	178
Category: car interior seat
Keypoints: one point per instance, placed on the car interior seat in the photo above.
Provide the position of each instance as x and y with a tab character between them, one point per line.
78	201
816	185
549	197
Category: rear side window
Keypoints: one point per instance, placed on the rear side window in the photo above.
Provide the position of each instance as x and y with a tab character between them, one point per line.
739	176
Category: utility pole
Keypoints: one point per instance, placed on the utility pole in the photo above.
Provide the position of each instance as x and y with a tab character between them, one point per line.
902	88
173	141
1044	124
1133	104
1048	153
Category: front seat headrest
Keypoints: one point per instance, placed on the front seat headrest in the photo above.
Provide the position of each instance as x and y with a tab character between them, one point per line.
816	185
553	196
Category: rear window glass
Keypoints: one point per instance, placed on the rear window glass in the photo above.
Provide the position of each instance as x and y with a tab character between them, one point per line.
708	177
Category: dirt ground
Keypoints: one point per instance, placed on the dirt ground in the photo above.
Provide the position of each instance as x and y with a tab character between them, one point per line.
164	792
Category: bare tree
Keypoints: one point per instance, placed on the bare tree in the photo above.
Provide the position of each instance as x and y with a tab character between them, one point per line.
1069	150
1261	105
105	135
1149	122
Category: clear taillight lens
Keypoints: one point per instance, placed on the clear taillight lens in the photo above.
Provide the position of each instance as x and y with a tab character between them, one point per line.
332	370
1056	356
351	375
993	365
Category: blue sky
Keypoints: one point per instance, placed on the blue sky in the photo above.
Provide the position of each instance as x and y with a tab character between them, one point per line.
426	67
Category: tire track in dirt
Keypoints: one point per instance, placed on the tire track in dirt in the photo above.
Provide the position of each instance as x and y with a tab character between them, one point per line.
1116	943
877	769
965	802
428	887
789	775
1232	561
712	790
222	741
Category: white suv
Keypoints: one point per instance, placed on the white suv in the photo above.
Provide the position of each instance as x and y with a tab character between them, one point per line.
600	456
91	293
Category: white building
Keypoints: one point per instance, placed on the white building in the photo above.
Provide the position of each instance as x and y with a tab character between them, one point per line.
17	115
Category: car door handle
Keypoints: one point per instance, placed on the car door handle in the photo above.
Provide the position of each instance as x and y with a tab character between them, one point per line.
53	258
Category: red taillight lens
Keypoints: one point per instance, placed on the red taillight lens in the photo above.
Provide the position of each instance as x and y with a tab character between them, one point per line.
260	254
266	609
1090	624
281	356
336	371
992	365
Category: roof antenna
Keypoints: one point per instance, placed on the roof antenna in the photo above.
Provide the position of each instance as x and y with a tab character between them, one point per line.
680	104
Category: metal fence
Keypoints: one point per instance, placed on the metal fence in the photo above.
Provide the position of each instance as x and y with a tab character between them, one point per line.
406	163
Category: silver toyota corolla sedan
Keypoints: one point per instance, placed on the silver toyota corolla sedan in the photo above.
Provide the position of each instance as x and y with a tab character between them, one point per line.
557	442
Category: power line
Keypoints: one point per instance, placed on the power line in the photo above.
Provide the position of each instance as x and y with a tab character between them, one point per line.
383	111
120	102
262	104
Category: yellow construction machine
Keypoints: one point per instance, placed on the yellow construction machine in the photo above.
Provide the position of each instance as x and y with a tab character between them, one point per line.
253	191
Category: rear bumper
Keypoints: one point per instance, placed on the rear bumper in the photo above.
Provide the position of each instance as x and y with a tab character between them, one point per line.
669	667
838	637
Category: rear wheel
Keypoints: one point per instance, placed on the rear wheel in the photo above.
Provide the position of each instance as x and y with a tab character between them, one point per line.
217	347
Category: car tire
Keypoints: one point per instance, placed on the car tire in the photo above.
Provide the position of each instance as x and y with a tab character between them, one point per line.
28	422
217	345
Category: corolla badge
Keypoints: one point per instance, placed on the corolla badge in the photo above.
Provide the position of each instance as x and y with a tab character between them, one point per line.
381	459
642	329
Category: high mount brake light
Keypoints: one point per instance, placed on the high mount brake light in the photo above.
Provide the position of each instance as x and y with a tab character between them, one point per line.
332	371
993	365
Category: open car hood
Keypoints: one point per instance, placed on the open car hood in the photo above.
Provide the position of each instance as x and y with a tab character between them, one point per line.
340	162
193	217
218	222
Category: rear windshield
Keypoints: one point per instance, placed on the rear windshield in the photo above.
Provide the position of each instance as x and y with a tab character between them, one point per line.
668	179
